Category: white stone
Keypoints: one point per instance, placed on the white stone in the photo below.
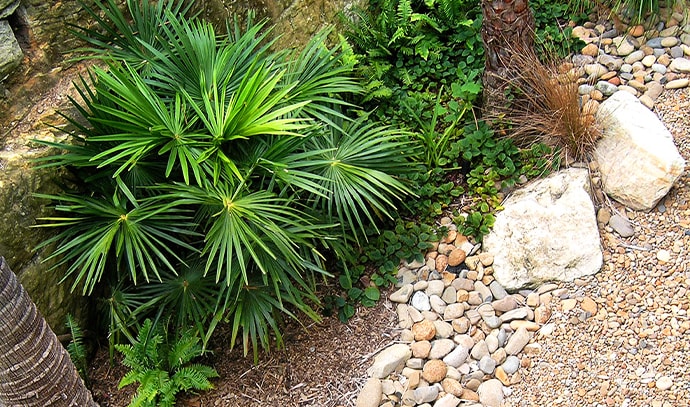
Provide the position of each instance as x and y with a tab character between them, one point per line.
403	294
680	65
447	401
637	158
491	393
547	231
389	360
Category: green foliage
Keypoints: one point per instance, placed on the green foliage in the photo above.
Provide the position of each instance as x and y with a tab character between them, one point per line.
553	35
163	367
219	174
77	349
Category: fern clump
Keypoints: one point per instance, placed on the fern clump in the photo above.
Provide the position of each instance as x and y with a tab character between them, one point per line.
163	369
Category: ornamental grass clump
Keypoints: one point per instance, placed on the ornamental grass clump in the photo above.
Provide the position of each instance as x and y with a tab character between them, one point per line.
545	108
216	175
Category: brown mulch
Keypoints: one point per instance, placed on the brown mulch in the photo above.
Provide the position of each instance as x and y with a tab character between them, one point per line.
322	364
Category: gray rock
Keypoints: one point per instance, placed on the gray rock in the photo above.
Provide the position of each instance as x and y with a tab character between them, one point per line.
517	341
506	304
637	157
440	348
6	11
491	393
425	394
403	294
654	90
582	60
10	53
487	365
654	42
534	242
497	290
389	360
415	363
421	301
685	38
623	46
627	68
511	364
659	68
518	313
437	304
610	62
450	295
606	88
585	89
676	52
621	225
457	356
493	322
371	394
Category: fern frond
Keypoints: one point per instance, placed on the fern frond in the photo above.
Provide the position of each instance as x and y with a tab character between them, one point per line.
76	348
194	377
186	348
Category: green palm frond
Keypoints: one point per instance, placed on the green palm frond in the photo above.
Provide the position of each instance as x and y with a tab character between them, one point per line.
141	234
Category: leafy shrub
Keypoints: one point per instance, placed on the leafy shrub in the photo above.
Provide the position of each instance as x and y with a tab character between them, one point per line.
163	368
218	173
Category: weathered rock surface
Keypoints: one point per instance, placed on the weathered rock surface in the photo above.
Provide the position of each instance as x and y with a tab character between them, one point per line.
389	360
10	52
637	158
547	231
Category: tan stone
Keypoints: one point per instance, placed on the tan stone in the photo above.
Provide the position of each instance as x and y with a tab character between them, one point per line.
588	305
568	304
502	376
452	386
434	371
542	314
636	30
456	257
424	330
441	262
528	325
590	50
470	395
421	349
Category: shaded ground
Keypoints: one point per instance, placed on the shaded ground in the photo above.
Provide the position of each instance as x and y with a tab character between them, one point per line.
323	364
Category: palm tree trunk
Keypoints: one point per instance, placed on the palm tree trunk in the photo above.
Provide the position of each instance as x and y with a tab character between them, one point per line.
508	28
35	370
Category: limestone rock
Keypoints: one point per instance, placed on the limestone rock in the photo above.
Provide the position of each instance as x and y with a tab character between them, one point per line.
10	53
637	158
389	360
547	231
371	393
491	393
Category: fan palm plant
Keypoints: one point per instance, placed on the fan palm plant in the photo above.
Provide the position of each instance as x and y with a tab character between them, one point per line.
212	150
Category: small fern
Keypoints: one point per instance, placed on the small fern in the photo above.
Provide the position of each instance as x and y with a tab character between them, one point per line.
76	349
163	370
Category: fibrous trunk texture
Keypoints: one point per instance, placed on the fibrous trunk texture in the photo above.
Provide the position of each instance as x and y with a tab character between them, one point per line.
35	369
508	28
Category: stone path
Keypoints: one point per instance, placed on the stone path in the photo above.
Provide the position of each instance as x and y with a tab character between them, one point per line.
613	339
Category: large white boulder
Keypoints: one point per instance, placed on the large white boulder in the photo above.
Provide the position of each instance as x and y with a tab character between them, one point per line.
636	155
547	231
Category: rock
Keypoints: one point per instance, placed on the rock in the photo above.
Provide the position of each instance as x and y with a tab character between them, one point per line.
506	304
449	295
664	383
681	65
448	400
443	329
647	101
491	393
638	160
669	42
456	257
452	386
434	371
420	301
654	90
606	88
10	53
590	49
595	71
497	290
610	62
654	42
389	360
479	350
404	320
437	304
677	83
621	225
663	256
588	305
632	58
547	231
623	46
403	294
441	348
7	7
457	356
517	341
511	364
371	394
424	330
487	365
435	287
420	349
453	311
518	313
425	394
468	394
